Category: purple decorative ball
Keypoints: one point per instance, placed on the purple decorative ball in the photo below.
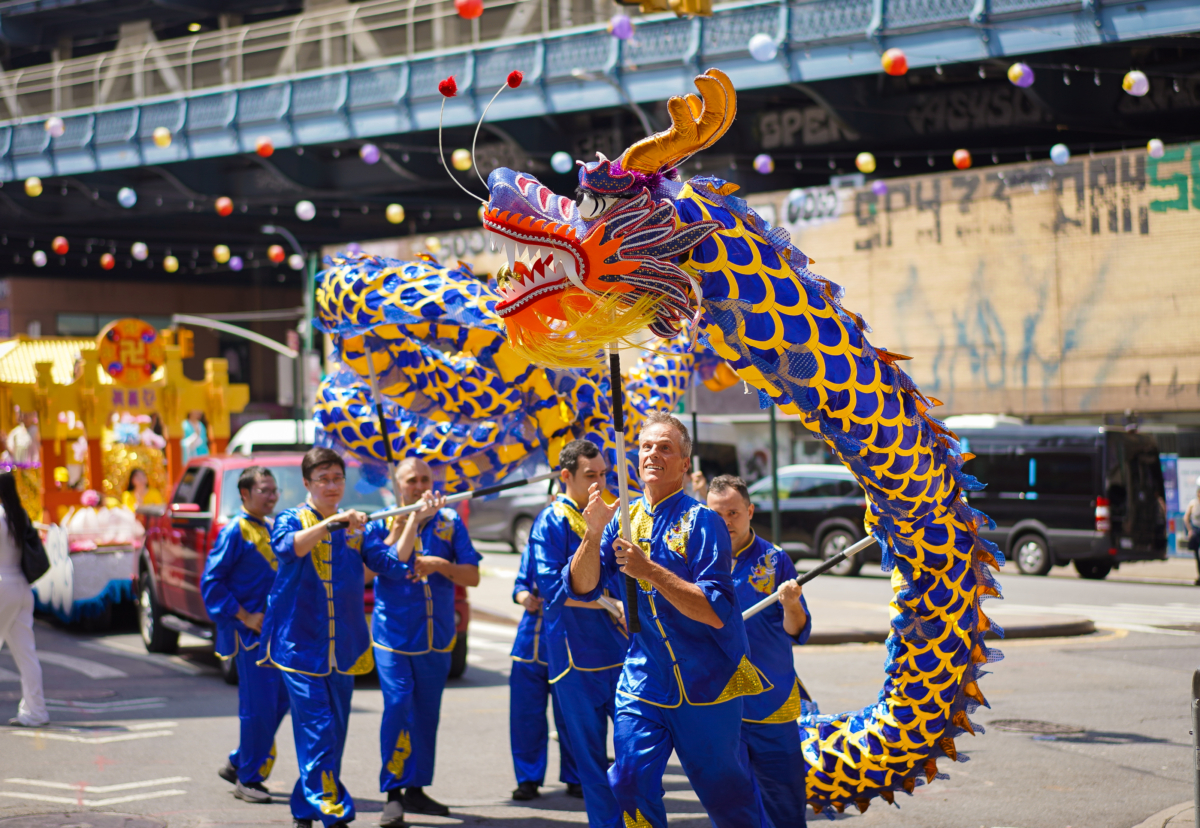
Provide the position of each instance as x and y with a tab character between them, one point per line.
369	153
236	263
354	247
764	164
879	187
620	27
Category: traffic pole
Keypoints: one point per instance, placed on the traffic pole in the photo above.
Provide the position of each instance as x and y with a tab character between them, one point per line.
1196	745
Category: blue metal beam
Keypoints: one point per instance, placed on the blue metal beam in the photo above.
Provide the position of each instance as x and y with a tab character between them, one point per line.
819	40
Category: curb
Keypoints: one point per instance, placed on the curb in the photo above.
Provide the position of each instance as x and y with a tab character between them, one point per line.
1165	816
1067	627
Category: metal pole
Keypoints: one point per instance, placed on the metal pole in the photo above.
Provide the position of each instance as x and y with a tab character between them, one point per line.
695	428
816	571
1196	744
774	480
618	406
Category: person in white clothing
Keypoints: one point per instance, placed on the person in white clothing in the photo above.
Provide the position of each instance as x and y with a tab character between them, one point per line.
1191	528
16	607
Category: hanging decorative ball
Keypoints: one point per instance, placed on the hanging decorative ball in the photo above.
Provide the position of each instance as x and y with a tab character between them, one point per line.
221	254
305	210
60	245
224	206
276	253
763	47
55	126
865	162
468	9
561	162
170	264
33	186
894	62
1059	154
394	213
108	261
354	248
162	137
962	159
139	251
369	153
296	261
1136	83
879	187
620	26
764	164
39	258
264	146
126	197
236	263
1155	147
433	244
460	159
1021	74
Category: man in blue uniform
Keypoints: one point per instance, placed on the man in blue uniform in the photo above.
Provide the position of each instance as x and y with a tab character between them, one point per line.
315	631
687	670
237	579
414	632
585	645
528	688
769	719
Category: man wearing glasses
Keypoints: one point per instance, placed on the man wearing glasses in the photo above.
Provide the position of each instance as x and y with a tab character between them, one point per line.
237	580
315	631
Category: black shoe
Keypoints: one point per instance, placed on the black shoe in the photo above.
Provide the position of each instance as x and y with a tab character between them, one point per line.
252	792
526	791
393	813
301	823
416	801
575	789
228	773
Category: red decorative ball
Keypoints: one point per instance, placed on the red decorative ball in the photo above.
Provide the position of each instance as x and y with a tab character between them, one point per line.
108	261
514	78
60	246
224	206
962	159
276	253
894	62
448	87
468	9
264	147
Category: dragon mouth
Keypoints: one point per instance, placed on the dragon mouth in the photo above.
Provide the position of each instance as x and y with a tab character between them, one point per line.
544	258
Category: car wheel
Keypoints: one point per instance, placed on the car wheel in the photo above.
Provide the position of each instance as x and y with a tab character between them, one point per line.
458	656
156	637
1032	555
839	540
522	526
1093	570
229	670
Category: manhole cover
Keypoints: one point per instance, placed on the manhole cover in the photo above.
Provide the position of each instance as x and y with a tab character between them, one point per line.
1034	726
62	695
81	820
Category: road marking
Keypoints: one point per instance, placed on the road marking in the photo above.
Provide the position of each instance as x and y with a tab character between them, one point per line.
103	707
139	730
91	669
124	786
120	648
501	631
90	803
8	675
484	644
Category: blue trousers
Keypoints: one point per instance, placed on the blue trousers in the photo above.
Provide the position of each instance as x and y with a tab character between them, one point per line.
262	704
528	734
588	701
707	739
320	716
778	764
412	705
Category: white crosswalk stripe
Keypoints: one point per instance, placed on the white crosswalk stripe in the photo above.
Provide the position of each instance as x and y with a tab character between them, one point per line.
81	789
89	668
129	733
1146	618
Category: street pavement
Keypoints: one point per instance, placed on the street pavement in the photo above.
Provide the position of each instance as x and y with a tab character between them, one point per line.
1097	732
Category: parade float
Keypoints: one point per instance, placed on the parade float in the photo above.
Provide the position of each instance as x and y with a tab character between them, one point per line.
96	401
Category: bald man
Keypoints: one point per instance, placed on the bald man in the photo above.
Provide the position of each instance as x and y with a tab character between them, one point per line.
413	630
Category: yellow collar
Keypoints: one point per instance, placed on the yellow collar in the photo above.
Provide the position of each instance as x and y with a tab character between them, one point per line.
749	543
650	506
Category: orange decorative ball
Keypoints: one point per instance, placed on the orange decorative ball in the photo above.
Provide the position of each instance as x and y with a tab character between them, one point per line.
276	253
108	261
962	159
224	206
264	146
60	245
895	62
468	9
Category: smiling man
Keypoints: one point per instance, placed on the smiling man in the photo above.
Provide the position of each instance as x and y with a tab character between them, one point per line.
686	672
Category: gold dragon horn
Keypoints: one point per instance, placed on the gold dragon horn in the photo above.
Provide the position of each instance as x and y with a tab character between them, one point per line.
696	124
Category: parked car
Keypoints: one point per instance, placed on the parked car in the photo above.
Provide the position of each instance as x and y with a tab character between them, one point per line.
508	517
177	544
821	512
1086	495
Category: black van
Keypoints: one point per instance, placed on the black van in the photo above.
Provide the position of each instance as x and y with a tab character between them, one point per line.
1087	494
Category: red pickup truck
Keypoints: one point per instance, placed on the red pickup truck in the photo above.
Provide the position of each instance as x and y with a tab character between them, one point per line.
177	543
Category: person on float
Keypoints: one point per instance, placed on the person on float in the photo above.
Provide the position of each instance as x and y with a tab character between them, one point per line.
585	645
769	720
140	493
414	633
686	672
314	629
528	688
237	581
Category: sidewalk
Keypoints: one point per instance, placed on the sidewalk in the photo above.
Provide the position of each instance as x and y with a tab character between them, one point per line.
1182	815
1170	571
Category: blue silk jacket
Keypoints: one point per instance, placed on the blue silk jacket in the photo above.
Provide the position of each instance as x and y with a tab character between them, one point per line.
239	572
417	617
758	570
575	637
315	622
527	646
675	660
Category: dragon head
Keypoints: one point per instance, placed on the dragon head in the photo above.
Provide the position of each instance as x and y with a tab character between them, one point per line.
601	267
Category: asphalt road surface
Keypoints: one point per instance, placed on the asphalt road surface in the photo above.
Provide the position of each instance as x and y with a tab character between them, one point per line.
1105	743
